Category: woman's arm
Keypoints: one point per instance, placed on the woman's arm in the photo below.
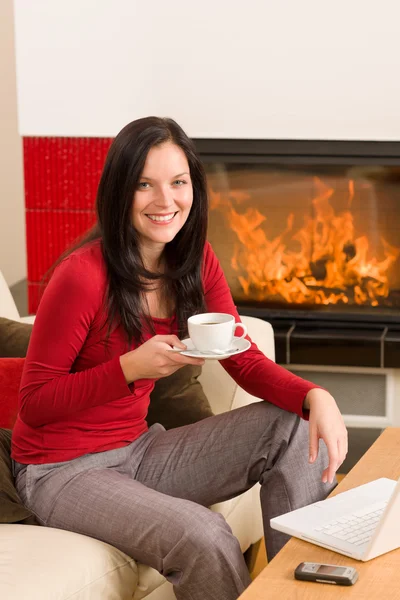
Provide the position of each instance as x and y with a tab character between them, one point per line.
252	370
264	379
49	391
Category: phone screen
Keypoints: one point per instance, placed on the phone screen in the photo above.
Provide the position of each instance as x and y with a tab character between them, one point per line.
328	570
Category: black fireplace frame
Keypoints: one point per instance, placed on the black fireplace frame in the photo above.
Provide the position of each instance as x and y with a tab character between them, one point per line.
290	151
308	336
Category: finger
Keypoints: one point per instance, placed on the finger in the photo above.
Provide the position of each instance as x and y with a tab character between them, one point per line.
171	340
333	460
183	360
195	361
346	440
325	475
342	450
313	443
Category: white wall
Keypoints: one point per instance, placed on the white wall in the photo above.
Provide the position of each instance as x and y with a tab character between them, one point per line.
12	216
222	68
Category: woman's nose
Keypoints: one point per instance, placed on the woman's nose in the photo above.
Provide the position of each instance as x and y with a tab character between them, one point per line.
164	198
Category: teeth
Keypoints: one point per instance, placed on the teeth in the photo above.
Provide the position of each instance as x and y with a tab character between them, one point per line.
161	218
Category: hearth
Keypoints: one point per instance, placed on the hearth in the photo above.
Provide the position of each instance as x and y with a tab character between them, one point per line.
308	234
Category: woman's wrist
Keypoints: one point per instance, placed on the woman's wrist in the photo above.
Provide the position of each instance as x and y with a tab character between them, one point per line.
127	369
315	394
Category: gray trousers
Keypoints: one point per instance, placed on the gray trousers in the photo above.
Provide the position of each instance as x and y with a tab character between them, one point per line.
150	499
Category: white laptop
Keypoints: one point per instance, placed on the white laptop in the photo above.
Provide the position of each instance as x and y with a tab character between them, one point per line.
362	523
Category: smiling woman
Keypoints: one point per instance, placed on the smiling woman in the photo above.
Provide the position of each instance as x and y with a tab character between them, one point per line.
112	312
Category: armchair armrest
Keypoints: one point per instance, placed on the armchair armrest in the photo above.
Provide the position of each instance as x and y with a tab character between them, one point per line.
8	308
29	319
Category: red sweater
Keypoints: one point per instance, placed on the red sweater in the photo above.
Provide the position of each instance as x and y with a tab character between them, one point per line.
74	398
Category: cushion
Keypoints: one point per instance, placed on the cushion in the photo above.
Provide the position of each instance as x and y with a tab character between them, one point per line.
45	563
11	508
10	378
178	399
14	338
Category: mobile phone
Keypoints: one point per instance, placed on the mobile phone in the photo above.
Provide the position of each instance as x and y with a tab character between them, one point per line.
326	573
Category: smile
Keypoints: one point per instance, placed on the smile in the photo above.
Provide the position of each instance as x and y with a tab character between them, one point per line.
162	219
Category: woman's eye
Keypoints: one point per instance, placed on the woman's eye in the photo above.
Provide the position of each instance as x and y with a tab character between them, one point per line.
143	185
179	182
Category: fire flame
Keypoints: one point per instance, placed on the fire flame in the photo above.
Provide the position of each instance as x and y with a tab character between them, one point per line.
331	266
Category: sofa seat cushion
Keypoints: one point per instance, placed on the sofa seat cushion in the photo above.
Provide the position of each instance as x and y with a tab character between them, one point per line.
149	580
10	379
43	563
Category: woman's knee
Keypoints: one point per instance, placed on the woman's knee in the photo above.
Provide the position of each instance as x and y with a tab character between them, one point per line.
210	534
269	417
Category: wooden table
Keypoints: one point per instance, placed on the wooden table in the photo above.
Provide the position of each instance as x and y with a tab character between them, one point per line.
378	578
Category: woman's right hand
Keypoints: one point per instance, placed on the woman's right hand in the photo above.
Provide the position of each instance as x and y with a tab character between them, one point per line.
154	359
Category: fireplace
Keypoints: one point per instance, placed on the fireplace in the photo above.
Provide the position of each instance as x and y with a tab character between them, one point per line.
308	234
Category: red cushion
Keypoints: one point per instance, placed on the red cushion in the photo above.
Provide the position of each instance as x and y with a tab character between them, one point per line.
10	379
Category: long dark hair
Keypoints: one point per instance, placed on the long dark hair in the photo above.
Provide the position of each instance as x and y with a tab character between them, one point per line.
128	279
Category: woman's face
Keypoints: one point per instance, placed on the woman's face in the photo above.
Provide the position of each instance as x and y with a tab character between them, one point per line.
164	196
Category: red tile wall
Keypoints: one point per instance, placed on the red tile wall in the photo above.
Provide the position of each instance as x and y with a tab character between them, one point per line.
61	179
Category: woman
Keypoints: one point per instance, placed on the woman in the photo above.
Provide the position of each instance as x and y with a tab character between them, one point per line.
84	458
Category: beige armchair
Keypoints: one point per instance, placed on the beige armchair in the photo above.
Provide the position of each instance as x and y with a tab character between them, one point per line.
8	307
41	563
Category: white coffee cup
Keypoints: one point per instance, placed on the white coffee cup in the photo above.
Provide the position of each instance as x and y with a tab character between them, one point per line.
213	331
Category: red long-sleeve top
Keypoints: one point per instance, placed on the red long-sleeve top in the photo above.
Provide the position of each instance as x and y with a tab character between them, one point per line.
74	398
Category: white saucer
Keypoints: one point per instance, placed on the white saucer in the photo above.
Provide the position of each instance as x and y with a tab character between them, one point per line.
240	343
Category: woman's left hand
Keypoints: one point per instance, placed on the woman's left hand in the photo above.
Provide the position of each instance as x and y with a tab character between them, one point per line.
326	423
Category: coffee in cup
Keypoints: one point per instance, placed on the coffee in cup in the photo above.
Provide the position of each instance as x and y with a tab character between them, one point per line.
213	331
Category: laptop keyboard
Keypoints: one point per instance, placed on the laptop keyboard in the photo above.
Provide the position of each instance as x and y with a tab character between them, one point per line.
356	528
